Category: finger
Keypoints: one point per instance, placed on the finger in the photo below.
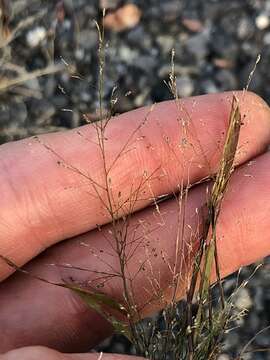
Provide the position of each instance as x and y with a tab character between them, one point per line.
32	312
54	188
43	353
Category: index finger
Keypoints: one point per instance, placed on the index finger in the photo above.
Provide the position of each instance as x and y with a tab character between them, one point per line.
147	153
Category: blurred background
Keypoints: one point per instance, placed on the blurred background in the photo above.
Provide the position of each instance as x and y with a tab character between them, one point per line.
49	72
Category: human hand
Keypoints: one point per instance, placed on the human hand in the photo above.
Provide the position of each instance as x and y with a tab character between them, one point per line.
44	203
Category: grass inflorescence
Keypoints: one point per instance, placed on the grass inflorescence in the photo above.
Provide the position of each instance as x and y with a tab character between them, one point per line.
192	329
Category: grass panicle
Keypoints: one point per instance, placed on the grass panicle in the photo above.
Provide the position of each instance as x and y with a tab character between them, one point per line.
194	328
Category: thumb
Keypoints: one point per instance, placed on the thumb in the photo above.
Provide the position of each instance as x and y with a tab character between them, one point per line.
44	353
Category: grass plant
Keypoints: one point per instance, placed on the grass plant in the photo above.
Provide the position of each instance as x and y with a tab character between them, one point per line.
194	329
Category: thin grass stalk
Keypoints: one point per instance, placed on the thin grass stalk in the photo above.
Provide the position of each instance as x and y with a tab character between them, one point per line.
208	249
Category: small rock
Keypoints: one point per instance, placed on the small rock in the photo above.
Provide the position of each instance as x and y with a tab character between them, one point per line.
258	298
262	21
262	340
4	115
208	87
145	62
243	300
251	49
89	10
18	112
226	80
140	99
166	43
79	54
223	357
36	36
127	55
184	86
197	44
33	84
223	63
49	85
171	9
69	4
41	111
69	118
136	35
230	340
87	39
266	38
193	25
224	45
12	113
126	17
253	320
245	28
108	4
140	38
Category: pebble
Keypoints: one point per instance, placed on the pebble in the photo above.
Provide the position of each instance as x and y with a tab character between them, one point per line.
4	115
136	35
88	39
223	63
145	62
49	85
79	54
166	43
185	86
251	49
231	340
224	46
13	112
208	86
226	80
140	38
258	299
197	44
243	300
33	84
36	36
257	80
266	38
223	357
245	28
262	339
124	18
193	25
41	110
262	21
171	9
108	4
253	320
127	54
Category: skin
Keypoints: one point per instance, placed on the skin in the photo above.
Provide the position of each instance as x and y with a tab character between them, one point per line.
44	203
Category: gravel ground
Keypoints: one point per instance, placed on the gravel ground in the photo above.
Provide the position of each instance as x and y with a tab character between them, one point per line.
216	43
